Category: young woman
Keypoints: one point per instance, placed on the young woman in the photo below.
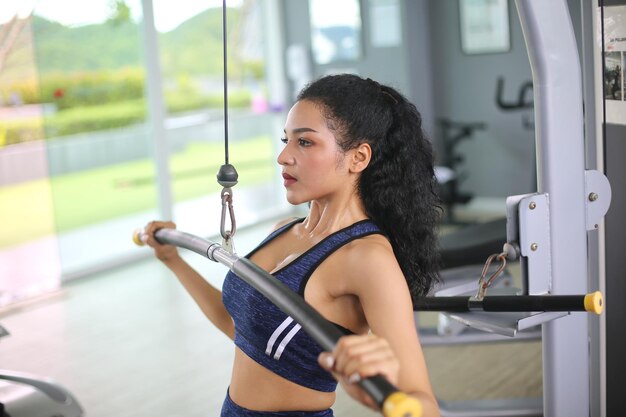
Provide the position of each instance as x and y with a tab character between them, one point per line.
355	151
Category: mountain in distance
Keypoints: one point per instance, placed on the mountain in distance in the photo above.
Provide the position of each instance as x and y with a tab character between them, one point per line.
193	47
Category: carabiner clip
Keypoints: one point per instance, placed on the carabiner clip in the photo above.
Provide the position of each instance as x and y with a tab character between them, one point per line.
482	285
227	235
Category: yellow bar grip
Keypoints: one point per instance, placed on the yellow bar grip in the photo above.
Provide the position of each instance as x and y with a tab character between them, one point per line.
137	237
400	404
594	302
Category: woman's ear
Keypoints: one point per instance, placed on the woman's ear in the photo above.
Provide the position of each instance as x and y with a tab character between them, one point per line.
360	157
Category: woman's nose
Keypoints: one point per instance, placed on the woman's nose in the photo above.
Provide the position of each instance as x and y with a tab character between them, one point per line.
284	157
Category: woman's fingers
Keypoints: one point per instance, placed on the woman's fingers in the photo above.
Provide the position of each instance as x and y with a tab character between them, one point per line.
162	252
326	361
356	357
361	356
151	228
366	356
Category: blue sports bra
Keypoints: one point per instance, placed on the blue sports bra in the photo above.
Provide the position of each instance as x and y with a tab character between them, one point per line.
269	336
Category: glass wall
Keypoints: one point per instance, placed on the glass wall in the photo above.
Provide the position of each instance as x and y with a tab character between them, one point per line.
78	144
191	57
29	249
90	67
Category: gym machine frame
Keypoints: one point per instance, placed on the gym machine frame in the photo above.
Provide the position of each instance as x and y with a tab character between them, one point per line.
570	201
547	230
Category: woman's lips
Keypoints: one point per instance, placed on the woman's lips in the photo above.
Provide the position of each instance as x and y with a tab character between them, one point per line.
288	180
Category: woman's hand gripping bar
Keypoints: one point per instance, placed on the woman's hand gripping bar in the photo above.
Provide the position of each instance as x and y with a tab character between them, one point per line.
392	402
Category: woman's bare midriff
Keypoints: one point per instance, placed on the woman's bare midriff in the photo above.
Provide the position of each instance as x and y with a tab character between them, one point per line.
256	388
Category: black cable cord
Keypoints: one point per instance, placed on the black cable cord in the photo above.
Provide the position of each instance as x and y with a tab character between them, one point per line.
227	175
224	37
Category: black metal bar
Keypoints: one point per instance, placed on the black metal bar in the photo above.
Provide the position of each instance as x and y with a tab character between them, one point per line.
441	304
504	303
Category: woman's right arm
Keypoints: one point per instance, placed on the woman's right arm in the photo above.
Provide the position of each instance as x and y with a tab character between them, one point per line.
207	297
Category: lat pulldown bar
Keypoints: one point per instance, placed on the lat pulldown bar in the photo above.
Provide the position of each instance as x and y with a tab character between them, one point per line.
392	402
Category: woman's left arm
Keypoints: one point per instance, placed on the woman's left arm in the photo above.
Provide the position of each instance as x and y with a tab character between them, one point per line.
392	347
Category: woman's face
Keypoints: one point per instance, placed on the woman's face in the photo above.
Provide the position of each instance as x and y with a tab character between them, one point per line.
312	162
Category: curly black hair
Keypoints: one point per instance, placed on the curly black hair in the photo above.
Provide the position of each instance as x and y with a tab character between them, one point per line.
398	188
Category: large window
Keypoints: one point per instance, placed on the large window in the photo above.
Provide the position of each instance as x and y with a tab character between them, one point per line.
193	74
78	140
91	73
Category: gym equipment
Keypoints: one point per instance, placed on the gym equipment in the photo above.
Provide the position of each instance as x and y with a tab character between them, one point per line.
589	302
592	303
448	174
463	253
548	229
227	175
471	244
522	101
553	224
26	395
392	402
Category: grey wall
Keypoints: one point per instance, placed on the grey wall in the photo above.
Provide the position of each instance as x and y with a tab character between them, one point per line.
387	65
406	67
431	69
500	160
418	44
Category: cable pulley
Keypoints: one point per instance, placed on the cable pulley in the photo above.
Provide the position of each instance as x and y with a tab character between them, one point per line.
227	176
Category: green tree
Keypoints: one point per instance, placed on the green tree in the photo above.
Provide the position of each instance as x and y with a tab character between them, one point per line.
120	12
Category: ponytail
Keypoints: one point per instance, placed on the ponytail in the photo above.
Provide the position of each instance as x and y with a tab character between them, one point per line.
398	186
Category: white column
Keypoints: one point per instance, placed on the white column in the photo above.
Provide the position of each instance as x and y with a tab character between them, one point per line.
275	54
156	110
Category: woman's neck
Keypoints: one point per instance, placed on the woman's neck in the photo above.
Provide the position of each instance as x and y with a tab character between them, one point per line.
328	216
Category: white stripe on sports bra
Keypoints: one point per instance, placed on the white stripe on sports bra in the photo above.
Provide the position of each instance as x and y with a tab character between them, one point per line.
277	332
286	340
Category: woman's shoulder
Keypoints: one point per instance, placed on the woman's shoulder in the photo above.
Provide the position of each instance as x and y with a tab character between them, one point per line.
285	222
374	244
370	256
370	271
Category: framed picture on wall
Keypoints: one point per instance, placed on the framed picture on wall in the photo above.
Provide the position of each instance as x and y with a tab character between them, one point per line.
484	26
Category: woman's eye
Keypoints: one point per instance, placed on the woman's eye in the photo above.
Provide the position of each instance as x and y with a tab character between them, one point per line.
301	142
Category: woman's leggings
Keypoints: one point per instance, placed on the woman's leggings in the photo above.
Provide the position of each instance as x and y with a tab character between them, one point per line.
230	409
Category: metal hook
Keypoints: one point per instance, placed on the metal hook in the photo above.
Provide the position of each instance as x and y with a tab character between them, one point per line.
227	235
482	285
